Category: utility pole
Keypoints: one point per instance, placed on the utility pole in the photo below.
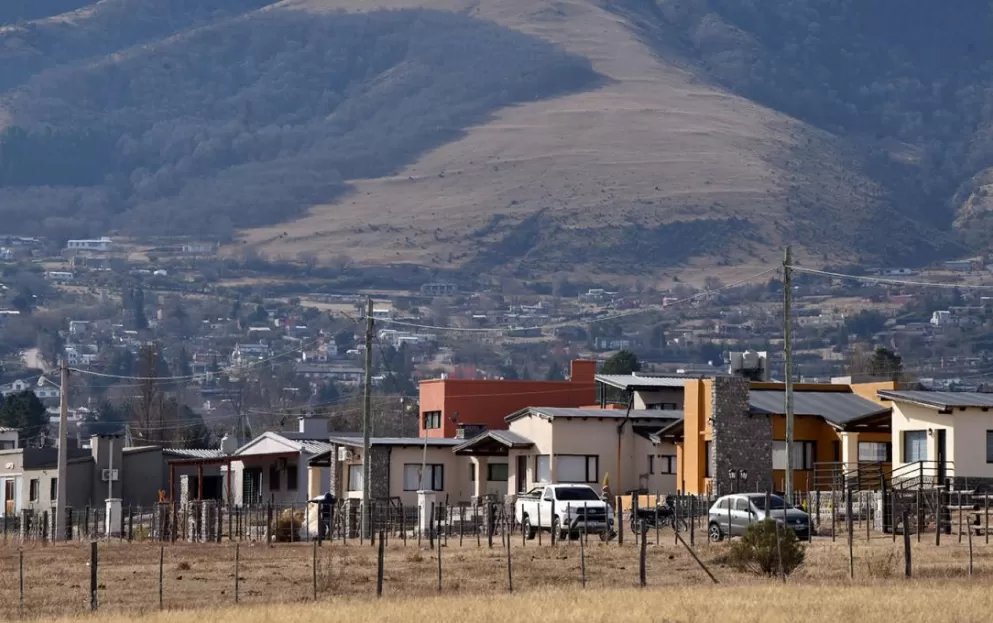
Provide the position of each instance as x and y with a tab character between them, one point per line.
788	348
63	460
366	420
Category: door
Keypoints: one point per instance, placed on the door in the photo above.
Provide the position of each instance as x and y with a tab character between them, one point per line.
10	497
940	453
251	486
740	516
522	474
545	507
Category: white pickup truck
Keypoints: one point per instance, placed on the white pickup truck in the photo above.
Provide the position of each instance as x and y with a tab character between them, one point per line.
568	510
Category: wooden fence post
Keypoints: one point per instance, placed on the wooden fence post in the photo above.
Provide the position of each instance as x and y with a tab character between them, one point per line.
439	565
161	575
906	547
20	570
237	569
93	576
582	562
510	573
851	534
380	564
642	571
313	566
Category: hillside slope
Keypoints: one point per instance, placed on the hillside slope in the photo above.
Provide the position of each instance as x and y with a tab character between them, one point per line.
637	137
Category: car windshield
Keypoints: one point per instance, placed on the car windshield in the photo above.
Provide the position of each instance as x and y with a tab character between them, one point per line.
573	494
776	503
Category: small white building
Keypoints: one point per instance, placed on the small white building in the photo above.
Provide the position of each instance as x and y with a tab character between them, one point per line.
100	244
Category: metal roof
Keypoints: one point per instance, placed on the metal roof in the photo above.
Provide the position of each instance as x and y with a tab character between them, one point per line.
942	400
504	437
194	453
617	414
396	441
633	381
836	407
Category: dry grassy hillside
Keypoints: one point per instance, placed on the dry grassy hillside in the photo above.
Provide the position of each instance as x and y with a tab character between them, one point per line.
585	181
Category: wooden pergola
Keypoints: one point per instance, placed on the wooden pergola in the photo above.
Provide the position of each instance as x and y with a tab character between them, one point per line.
223	460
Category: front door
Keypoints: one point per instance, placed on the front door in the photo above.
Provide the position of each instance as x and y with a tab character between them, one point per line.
940	454
522	474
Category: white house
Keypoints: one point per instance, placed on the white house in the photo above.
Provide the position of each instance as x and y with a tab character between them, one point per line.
100	244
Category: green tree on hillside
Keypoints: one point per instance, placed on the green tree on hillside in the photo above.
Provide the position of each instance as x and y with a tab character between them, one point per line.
24	412
621	362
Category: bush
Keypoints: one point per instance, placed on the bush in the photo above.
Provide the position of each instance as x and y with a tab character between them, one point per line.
287	525
757	550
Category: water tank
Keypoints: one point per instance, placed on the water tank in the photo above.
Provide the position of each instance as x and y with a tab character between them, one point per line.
229	444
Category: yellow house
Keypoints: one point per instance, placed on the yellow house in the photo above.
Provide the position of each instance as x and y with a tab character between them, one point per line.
732	424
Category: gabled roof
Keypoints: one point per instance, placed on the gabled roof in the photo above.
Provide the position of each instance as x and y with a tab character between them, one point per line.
643	383
504	439
550	413
356	442
298	442
940	400
837	408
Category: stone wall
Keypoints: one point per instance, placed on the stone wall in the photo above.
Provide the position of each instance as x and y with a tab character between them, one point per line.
335	470
740	440
379	472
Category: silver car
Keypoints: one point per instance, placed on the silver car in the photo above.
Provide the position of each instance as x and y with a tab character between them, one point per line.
732	514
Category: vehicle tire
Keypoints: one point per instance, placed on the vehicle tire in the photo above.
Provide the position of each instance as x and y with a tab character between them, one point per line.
529	531
714	533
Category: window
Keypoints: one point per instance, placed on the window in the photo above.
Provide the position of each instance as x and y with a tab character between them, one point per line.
651	463
433	477
710	457
8	445
875	451
803	454
723	503
542	468
914	446
472	472
741	504
577	468
53	490
292	475
989	446
497	472
33	489
432	419
355	477
273	478
666	464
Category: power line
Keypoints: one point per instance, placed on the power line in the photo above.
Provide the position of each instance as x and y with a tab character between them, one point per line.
885	280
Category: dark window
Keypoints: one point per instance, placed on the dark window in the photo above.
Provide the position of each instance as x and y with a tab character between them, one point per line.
53	490
914	446
575	494
709	447
775	502
740	504
472	472
292	474
497	472
34	488
651	463
273	478
666	464
875	451
723	503
989	446
432	419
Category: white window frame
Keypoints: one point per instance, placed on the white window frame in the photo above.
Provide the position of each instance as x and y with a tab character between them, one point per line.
804	455
905	453
873	457
543	469
355	477
591	468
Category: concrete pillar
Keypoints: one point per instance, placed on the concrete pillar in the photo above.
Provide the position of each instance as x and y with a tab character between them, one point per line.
314	482
425	502
113	523
850	451
479	487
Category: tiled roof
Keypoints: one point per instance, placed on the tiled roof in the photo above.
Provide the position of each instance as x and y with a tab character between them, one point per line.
194	453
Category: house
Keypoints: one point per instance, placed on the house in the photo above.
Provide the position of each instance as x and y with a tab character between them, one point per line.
29	476
42	388
59	275
244	354
100	244
731	424
646	391
78	327
445	401
318	372
273	466
9	439
941	435
439	289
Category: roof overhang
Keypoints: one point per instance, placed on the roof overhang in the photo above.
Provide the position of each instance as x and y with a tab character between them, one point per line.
493	443
670	433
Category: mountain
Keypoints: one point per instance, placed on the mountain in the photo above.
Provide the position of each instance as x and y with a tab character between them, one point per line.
637	137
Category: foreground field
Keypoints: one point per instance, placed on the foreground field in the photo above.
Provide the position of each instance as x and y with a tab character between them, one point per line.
57	580
922	602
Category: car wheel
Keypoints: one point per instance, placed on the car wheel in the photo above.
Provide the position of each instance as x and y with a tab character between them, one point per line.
714	533
529	531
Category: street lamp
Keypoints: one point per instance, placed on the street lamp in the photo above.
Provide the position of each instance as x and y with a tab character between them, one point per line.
737	476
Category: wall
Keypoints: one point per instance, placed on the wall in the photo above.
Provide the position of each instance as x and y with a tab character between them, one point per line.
101	448
78	487
456	484
965	437
489	402
11	469
675	395
741	440
697	411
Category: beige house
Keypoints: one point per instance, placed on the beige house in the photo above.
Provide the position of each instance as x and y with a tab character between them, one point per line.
943	435
562	445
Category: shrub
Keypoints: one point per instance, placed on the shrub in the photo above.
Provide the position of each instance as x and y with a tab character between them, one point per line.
287	525
757	551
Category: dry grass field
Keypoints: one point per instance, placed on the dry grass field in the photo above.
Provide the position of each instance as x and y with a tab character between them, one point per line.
654	144
56	581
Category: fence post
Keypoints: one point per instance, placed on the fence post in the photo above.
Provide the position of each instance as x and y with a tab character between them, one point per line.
693	520
161	574
851	535
431	528
642	571
986	517
939	516
379	567
93	576
237	569
489	522
510	574
620	521
906	547
439	565
20	571
313	566
960	515
582	561
970	551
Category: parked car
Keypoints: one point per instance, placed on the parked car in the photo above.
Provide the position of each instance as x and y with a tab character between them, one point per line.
566	510
732	514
